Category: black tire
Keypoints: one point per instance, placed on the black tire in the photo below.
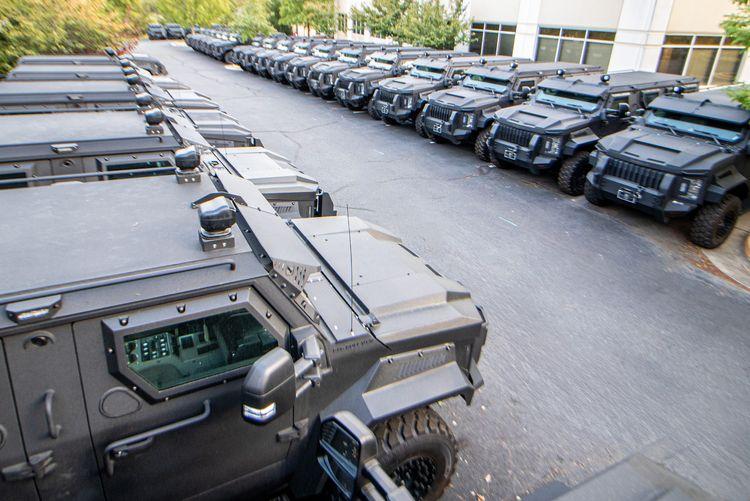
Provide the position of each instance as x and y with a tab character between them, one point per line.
714	222
419	125
418	450
372	111
572	175
481	148
593	195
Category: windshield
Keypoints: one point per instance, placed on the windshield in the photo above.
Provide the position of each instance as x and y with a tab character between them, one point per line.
349	56
567	99
381	62
482	82
689	124
427	72
301	48
321	51
283	46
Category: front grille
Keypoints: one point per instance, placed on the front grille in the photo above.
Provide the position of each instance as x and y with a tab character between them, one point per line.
314	75
513	135
387	96
343	83
440	112
642	176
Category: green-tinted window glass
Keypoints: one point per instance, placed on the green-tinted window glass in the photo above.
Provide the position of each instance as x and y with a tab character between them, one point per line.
598	54
673	60
678	39
701	62
489	47
546	50
727	67
570	51
506	44
188	351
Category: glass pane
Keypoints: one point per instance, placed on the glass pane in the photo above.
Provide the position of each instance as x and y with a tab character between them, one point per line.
727	67
602	35
489	47
707	40
192	350
493	27
598	54
509	27
506	44
570	51
672	60
475	44
701	62
546	49
677	39
549	31
574	33
477	26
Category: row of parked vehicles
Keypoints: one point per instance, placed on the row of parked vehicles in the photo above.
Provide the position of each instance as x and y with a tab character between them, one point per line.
156	31
177	319
651	141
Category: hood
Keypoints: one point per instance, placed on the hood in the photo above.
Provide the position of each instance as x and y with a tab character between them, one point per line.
268	53
543	119
403	294
364	74
406	84
663	151
462	98
284	57
330	66
304	61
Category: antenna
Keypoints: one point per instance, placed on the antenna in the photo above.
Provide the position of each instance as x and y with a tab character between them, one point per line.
351	274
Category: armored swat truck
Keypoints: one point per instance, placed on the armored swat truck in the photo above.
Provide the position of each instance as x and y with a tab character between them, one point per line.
688	156
355	87
566	117
173	340
234	55
143	61
323	75
400	99
298	69
156	31
464	113
175	31
128	72
277	65
245	57
262	59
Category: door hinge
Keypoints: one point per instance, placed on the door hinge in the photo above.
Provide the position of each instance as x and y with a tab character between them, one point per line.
38	466
293	432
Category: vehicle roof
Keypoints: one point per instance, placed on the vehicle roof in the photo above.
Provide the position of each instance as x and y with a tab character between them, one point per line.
531	69
31	136
65	59
626	81
714	104
19	91
65	71
460	60
154	227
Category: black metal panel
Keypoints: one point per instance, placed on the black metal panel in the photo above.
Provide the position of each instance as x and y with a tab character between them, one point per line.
387	96
514	135
440	112
642	176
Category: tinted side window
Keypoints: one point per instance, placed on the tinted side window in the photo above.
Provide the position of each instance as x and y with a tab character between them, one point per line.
188	351
527	83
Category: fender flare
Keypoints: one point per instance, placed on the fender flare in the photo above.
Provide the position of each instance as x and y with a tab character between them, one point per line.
583	139
725	182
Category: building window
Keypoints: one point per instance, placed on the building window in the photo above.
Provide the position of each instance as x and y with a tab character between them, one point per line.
574	45
488	39
342	22
358	25
712	59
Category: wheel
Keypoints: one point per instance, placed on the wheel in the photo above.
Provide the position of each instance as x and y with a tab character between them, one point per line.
314	92
572	176
481	148
419	125
714	222
419	451
593	195
372	111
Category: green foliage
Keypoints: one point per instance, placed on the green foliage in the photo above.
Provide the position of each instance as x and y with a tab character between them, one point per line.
737	27
53	27
430	23
382	16
316	14
253	18
201	12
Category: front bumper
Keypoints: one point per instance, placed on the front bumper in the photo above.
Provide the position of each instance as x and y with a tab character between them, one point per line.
530	157
659	201
395	110
352	94
452	130
297	80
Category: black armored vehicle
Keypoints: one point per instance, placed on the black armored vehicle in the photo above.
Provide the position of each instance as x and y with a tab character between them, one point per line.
162	339
261	60
235	55
323	75
277	64
464	113
245	56
565	118
143	61
156	31
174	31
354	87
688	156
298	69
400	99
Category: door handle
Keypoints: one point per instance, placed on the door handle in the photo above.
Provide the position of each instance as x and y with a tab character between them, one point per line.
140	441
54	428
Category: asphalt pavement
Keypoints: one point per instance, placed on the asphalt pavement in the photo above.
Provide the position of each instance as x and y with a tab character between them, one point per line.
608	337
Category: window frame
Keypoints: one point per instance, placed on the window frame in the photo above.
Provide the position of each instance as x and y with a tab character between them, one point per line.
587	40
725	44
507	30
115	329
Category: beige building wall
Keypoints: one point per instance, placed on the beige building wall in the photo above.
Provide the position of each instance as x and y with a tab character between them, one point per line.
601	14
698	16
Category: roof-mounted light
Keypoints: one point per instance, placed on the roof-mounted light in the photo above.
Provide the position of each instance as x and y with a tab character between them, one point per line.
605	78
110	52
133	79
678	90
217	214
514	65
187	160
144	99
561	73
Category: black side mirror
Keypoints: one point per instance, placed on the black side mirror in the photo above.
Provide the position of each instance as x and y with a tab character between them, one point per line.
348	455
525	91
269	387
623	110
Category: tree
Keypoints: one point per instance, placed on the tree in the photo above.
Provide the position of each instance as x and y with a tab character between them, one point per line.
253	18
201	12
316	14
737	27
430	23
382	16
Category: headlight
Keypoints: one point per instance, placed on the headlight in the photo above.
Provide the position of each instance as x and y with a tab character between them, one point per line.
468	120
408	101
691	188
552	145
